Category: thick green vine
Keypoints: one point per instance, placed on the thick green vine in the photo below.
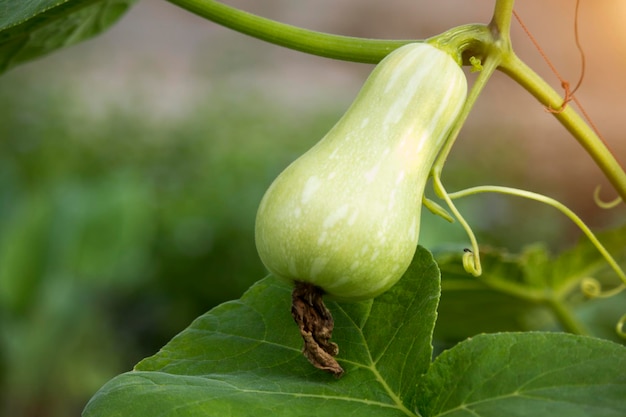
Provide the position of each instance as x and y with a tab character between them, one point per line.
346	48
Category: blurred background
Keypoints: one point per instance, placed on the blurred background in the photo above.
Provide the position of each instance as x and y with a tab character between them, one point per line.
131	167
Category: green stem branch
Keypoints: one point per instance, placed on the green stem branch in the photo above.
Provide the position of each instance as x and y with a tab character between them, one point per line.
489	67
501	20
545	94
346	48
471	260
570	119
565	317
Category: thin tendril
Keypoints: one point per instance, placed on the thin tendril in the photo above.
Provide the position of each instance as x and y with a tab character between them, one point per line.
569	93
564	83
580	49
469	263
592	288
605	204
554	203
471	258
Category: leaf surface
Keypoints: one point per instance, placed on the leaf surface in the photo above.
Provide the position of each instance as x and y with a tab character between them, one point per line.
243	358
515	286
527	374
29	29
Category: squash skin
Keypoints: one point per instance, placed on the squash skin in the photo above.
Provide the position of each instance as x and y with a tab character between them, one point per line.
345	216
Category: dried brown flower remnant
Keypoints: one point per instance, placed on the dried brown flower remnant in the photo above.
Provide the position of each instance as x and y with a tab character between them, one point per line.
316	327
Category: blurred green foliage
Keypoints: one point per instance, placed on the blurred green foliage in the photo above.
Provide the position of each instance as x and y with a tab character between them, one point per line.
117	230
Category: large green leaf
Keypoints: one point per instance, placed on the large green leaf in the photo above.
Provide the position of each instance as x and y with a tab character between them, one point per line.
243	358
29	29
527	374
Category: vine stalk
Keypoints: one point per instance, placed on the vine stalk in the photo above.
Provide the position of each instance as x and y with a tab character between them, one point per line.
501	21
569	118
346	48
565	317
471	259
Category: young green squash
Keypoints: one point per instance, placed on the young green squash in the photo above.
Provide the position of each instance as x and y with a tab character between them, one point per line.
345	216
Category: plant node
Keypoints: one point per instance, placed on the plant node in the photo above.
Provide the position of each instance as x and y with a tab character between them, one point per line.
316	327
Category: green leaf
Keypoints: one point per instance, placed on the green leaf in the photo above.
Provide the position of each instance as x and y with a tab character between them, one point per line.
244	358
527	374
519	287
29	29
581	261
462	311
